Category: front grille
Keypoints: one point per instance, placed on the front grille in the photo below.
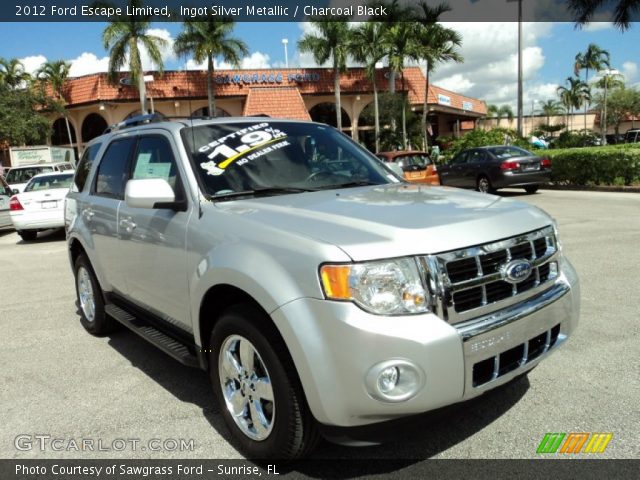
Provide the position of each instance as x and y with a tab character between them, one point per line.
514	358
473	277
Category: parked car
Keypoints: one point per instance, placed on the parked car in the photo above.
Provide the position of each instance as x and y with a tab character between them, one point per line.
317	291
5	195
18	177
489	168
632	136
416	166
41	205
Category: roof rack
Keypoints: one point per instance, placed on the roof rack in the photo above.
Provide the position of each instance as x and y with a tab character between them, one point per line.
135	121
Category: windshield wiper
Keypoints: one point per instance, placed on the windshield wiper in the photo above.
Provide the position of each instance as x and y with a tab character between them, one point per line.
261	191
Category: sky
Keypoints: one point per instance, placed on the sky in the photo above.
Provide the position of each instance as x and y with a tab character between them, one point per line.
489	71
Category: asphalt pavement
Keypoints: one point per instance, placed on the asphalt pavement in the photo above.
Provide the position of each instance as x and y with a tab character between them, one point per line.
58	382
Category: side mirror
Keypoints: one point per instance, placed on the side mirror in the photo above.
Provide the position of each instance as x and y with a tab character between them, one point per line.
149	193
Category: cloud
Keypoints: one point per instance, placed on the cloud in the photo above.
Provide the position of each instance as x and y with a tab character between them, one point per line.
254	61
630	71
596	26
88	63
33	63
166	52
490	68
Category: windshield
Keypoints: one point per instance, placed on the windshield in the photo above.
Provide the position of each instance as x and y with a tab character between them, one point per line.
23	175
47	182
272	155
502	153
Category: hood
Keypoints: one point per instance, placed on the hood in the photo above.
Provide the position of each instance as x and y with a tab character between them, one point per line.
392	220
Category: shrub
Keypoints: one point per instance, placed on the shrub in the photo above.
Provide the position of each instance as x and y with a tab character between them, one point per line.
610	165
481	138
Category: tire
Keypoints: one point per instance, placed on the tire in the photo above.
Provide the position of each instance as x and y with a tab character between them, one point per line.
531	189
28	235
285	428
483	184
91	300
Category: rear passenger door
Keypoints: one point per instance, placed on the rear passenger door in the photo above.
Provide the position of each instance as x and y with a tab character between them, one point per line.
475	165
152	241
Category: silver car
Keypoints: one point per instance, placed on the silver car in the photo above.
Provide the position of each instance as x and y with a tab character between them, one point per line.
315	286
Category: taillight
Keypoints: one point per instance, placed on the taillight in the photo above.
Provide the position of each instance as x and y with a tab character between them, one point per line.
545	163
14	204
435	169
509	165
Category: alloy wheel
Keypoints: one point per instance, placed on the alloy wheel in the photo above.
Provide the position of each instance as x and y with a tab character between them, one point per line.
85	294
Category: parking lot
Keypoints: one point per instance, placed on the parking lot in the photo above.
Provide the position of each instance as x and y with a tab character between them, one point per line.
57	380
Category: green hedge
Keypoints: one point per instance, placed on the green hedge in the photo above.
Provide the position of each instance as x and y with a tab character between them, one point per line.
609	165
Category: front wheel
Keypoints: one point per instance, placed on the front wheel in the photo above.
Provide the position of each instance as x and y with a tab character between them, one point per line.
483	184
531	189
256	385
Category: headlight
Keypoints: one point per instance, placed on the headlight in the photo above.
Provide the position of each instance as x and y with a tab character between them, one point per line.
386	287
556	234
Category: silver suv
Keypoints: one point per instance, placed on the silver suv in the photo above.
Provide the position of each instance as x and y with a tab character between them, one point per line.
317	288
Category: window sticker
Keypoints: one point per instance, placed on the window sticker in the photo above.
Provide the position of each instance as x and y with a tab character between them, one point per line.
251	142
146	169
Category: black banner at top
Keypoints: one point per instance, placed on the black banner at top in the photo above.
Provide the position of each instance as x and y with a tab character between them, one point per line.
294	10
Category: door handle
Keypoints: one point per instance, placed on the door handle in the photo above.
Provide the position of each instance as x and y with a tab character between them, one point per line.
128	224
88	214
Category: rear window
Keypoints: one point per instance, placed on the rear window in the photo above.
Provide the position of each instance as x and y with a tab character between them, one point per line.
23	175
49	182
502	153
413	160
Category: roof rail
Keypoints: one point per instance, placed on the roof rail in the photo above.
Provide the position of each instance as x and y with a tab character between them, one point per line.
135	121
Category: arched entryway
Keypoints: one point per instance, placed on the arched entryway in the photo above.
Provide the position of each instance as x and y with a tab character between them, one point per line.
60	134
326	113
93	126
204	112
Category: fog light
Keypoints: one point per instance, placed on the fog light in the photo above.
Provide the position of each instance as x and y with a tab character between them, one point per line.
388	379
394	380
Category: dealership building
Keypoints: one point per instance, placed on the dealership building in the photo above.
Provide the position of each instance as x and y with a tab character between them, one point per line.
303	94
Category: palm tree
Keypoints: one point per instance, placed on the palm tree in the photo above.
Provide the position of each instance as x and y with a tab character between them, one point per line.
12	73
498	112
551	108
364	48
583	11
574	95
123	38
330	42
593	58
435	44
56	73
207	38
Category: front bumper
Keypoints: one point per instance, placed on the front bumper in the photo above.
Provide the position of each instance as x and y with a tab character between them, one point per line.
335	344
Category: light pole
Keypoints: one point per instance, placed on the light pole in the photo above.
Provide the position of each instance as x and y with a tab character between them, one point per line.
285	41
519	125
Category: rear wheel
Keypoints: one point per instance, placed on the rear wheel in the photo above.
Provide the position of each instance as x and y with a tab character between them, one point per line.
28	235
531	189
257	387
483	184
90	300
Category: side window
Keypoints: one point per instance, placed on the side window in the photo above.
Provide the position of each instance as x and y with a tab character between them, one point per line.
461	158
154	159
84	167
476	156
112	170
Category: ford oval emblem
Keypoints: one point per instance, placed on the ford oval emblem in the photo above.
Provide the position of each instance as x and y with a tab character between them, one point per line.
517	271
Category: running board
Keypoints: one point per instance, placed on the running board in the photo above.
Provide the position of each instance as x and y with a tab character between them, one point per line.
167	344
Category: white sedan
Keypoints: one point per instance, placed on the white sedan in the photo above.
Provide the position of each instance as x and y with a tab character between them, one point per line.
41	205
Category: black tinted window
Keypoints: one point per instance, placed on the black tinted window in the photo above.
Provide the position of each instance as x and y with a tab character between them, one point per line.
84	167
112	170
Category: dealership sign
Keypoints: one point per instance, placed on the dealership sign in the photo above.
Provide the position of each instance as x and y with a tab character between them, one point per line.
267	78
443	99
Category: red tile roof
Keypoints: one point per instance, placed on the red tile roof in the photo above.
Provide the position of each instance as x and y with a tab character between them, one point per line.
277	102
238	83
